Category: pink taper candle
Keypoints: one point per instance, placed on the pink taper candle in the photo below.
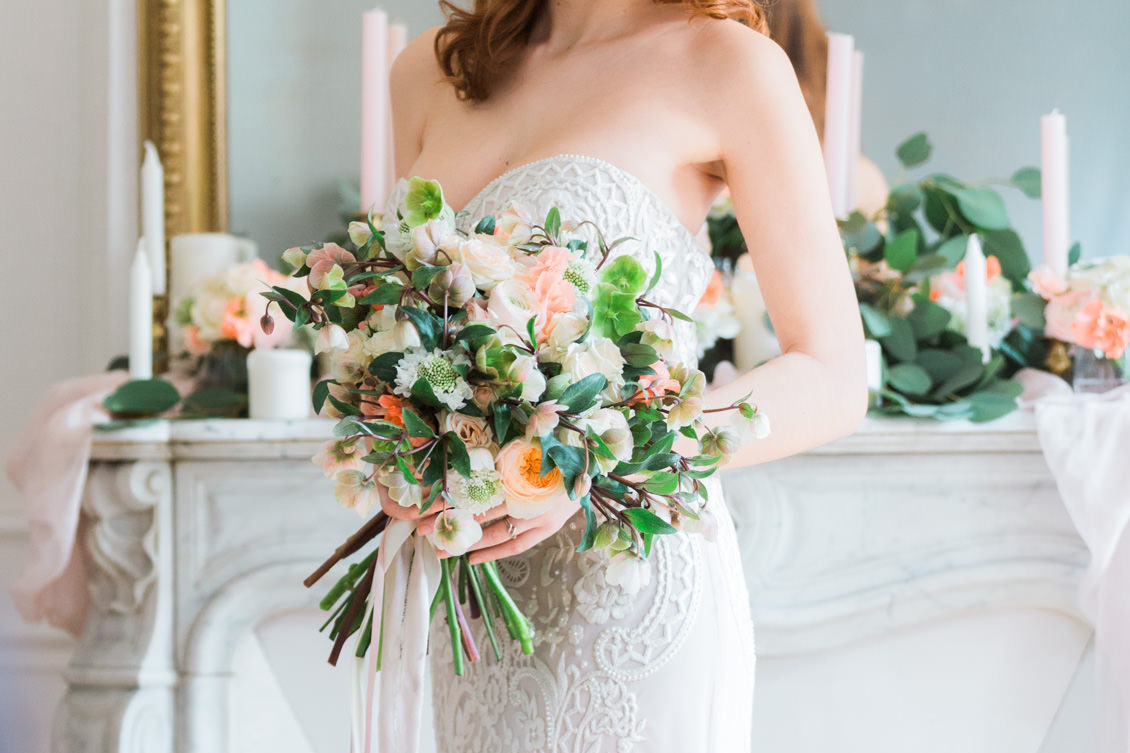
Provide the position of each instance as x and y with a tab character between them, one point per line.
374	110
397	41
837	119
855	142
1054	177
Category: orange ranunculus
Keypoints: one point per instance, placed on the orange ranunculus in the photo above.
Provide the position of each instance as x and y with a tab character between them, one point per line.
992	269
235	323
391	409
714	290
656	385
528	492
1096	326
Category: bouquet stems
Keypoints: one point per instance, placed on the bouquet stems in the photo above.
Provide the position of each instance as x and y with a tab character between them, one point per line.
452	618
519	625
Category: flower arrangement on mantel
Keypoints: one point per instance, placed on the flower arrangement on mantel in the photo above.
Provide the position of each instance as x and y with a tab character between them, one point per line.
907	264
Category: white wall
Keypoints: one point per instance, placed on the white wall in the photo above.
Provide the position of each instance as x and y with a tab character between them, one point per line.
977	75
67	201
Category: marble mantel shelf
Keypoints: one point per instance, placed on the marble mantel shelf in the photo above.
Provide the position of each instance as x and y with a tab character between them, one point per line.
911	549
222	439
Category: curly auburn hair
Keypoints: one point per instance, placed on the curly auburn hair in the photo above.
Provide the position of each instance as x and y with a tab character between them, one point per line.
476	46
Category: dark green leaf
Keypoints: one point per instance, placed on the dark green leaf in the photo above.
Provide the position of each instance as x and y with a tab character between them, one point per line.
662	483
415	425
422	392
900	343
915	150
939	364
406	471
989	406
553	223
388	294
902	250
875	320
427	324
501	422
953	249
457	455
215	402
1029	309
473	332
655	277
928	319
966	376
383	367
423	276
321	392
1009	250
581	395
1074	253
983	207
142	397
645	521
909	378
486	225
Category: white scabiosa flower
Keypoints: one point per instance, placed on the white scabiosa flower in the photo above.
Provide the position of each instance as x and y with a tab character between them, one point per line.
456	531
438	369
483	490
582	275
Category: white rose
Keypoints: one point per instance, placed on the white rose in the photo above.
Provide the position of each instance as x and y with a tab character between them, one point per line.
488	261
525	372
512	304
596	355
401	337
564	330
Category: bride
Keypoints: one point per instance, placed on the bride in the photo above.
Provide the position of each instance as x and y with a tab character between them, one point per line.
635	114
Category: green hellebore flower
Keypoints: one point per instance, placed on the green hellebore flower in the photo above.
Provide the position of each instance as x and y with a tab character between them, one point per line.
424	201
615	312
626	274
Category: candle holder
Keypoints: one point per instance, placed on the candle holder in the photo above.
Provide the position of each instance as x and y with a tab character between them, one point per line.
160	334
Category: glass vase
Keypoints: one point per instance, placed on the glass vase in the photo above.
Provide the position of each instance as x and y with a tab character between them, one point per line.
1094	372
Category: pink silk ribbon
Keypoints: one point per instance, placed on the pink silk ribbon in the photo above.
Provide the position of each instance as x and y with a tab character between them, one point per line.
48	467
405	578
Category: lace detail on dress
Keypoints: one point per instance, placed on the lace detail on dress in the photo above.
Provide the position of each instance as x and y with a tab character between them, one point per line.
667	669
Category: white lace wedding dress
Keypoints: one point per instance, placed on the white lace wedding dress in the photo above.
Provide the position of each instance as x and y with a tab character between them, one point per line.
667	670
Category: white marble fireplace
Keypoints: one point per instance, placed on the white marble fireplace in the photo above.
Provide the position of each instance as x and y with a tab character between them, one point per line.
913	587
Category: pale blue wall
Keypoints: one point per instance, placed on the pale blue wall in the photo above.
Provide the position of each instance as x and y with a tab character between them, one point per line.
977	75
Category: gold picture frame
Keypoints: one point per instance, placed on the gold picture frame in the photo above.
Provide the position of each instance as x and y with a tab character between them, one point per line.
182	106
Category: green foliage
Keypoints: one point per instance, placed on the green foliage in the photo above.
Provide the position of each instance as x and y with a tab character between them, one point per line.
140	398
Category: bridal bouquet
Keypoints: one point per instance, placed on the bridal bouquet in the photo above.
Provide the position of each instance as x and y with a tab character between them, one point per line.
490	374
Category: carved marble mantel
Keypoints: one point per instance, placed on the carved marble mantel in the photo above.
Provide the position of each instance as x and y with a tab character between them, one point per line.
198	531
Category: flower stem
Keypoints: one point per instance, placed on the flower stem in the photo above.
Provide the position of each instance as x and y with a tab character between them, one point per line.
452	619
484	608
519	625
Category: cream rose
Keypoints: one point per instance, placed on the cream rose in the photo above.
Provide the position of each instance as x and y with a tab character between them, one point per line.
528	493
596	355
612	428
474	432
488	261
562	331
512	304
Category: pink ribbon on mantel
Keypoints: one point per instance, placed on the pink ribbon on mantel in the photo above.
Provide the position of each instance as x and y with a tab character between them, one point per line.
48	465
1086	442
409	574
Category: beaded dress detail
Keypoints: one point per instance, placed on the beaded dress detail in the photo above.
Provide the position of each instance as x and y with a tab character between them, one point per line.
666	670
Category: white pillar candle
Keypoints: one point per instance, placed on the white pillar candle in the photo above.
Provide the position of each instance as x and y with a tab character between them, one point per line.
874	353
374	109
397	41
140	315
1054	181
976	297
855	142
153	214
279	384
837	118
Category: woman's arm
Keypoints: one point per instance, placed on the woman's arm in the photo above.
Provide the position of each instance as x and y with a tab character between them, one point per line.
816	391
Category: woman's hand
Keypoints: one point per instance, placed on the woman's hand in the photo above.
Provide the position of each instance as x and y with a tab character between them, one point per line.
504	536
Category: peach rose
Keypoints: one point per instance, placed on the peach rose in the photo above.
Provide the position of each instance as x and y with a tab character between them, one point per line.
1100	327
512	304
1047	283
714	290
473	431
1060	314
547	279
528	492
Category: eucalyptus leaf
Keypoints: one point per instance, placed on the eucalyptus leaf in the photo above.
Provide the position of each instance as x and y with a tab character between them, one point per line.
142	397
900	342
1028	180
939	364
989	406
1009	249
928	319
901	251
909	378
984	207
953	249
915	150
876	321
1029	309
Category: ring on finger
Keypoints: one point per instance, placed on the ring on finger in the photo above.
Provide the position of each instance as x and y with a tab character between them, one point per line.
511	529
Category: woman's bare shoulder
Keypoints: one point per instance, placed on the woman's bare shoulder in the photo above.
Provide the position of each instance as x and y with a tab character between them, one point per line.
731	56
416	65
416	84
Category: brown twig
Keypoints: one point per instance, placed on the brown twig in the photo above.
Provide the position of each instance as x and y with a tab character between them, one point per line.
364	535
356	604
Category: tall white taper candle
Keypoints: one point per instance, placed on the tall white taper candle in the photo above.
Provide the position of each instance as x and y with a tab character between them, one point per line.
1054	181
976	297
153	214
140	315
374	109
837	119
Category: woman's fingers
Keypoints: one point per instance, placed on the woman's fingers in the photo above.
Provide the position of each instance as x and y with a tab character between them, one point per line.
509	548
395	510
499	533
